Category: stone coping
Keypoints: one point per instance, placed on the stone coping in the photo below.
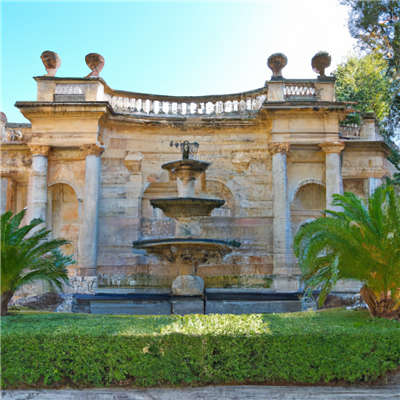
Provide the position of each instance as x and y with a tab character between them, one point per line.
214	296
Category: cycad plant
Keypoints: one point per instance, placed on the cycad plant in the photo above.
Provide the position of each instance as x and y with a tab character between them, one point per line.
361	243
26	256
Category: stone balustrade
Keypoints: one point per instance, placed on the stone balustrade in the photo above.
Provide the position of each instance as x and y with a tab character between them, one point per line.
350	131
67	90
146	104
302	89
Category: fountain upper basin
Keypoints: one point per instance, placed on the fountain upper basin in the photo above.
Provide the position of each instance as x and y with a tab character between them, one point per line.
183	208
190	164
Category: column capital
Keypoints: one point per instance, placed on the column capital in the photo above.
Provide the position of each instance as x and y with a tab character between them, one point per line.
39	150
278	148
92	150
332	147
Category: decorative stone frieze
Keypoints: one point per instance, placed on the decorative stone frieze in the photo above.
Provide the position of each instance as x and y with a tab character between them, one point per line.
39	150
332	147
92	150
278	148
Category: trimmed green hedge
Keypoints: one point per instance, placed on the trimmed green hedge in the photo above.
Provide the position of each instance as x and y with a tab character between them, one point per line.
140	351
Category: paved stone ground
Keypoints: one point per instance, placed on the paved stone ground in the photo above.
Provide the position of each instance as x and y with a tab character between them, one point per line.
212	393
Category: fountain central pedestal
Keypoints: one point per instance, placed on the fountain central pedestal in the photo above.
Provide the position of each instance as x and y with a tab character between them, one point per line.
187	250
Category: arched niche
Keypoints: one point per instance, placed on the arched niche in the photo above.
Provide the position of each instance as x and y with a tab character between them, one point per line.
63	212
310	196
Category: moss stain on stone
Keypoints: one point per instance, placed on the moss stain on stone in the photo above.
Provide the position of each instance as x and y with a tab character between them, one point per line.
257	281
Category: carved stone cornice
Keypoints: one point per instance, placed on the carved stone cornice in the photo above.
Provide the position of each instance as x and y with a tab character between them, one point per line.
92	150
332	147
278	148
39	150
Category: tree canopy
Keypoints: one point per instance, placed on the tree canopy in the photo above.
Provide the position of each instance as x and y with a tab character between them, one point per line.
376	26
363	80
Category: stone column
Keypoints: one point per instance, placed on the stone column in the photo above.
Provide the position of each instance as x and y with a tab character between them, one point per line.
3	199
89	220
37	191
334	183
282	223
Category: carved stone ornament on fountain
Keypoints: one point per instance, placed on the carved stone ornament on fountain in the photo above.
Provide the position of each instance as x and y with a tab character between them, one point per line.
96	63
187	250
51	62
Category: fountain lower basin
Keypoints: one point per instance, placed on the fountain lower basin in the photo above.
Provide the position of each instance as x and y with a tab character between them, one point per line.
187	250
182	208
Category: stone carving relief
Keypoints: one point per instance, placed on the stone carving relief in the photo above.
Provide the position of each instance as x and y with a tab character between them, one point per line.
92	150
51	62
15	160
12	135
332	147
84	284
39	150
278	148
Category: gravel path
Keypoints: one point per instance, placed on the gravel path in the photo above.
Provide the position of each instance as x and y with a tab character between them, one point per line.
211	393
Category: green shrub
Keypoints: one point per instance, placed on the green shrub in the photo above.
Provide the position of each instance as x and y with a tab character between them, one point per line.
141	351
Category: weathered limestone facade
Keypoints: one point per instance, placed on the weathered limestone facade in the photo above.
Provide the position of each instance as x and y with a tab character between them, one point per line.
90	161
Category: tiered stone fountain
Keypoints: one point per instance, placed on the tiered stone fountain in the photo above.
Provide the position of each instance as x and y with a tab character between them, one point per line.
187	250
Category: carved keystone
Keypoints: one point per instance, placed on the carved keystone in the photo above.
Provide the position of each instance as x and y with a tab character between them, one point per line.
51	62
321	61
332	147
276	62
95	62
278	148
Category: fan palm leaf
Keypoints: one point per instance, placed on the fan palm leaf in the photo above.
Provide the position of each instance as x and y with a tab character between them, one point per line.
361	242
26	256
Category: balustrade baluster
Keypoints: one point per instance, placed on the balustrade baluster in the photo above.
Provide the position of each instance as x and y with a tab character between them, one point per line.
139	105
151	106
179	108
131	105
168	107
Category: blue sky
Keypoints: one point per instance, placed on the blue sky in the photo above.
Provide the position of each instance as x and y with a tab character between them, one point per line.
175	48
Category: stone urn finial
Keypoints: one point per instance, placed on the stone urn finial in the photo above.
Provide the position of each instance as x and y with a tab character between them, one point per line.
321	61
95	62
276	62
51	62
3	117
